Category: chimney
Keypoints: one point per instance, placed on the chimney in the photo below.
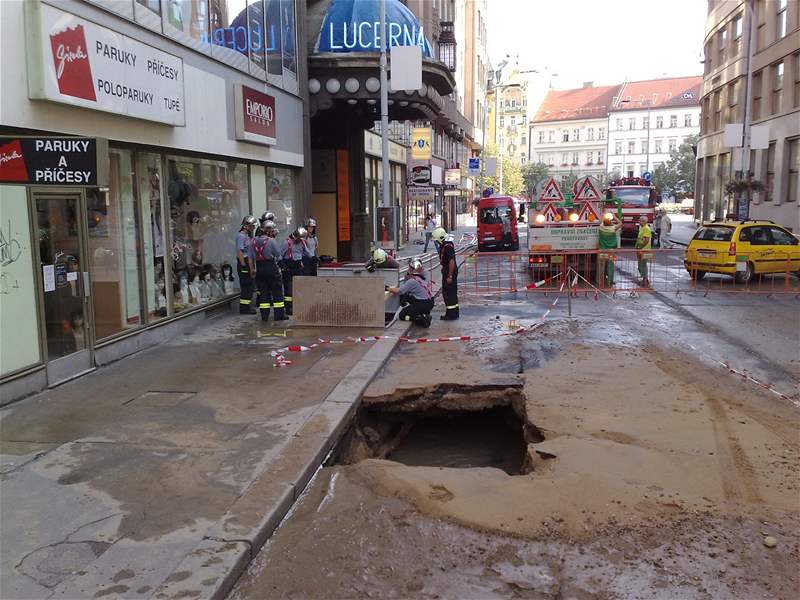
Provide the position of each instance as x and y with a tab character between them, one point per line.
588	84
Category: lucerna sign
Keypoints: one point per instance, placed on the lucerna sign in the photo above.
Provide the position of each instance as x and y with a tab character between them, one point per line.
367	36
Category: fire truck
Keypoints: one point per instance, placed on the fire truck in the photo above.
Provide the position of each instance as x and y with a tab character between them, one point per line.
636	197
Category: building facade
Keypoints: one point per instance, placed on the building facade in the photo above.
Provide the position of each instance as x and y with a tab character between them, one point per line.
772	156
650	119
569	131
136	136
508	115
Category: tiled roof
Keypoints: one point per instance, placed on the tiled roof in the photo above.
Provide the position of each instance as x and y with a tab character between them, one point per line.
582	103
659	93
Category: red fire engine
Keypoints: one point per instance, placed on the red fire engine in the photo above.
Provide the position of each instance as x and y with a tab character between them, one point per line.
636	197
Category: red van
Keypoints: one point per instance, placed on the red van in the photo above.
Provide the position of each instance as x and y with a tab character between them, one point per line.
497	224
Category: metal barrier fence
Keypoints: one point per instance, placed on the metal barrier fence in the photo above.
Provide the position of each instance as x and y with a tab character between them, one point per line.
621	270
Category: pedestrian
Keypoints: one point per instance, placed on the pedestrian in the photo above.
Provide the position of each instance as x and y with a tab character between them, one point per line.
267	253
506	222
430	225
608	240
311	262
245	267
447	258
644	245
292	253
666	228
415	296
657	227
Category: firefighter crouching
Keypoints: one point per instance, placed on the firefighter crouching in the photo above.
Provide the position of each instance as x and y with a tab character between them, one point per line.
381	260
415	296
445	244
267	254
244	264
292	253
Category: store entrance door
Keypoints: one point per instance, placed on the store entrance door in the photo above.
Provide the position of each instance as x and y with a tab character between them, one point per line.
65	284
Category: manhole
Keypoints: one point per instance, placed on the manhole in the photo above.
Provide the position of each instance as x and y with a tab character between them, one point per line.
444	426
160	398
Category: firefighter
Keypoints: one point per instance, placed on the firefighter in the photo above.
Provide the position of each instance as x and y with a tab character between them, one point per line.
292	252
608	240
245	267
381	260
267	254
311	261
644	245
445	244
415	296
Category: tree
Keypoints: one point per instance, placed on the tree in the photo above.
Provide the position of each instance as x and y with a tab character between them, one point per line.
534	174
676	176
512	179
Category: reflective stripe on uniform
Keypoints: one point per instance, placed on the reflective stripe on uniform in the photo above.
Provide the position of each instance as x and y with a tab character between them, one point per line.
278	305
407	318
453	306
243	301
287	298
265	305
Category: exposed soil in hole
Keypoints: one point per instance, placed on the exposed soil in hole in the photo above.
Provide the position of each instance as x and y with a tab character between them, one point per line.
456	426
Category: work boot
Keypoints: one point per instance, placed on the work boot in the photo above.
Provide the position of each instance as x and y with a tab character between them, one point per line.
427	321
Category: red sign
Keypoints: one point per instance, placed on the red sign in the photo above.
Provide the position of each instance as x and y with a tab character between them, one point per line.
71	61
255	116
12	162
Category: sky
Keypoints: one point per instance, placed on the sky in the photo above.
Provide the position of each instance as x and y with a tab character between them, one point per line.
603	41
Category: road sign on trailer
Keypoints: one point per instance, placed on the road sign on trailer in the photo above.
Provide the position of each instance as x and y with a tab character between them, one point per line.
550	213
589	213
551	192
587	191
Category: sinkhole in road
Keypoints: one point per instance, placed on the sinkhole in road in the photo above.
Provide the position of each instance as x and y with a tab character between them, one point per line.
455	426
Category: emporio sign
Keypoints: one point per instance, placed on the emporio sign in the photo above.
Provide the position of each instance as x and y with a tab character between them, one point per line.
255	116
74	61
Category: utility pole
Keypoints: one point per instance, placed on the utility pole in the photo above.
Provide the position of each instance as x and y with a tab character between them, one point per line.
485	125
750	15
385	198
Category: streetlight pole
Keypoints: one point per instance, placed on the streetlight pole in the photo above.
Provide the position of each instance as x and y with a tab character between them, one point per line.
485	125
750	15
385	199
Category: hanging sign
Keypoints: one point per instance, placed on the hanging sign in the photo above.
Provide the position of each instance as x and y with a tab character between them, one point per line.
54	161
421	143
255	116
551	192
587	190
474	167
81	63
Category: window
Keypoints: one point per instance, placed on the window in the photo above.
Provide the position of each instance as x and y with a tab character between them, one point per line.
722	45
513	103
781	237
645	144
673	120
761	19
564	159
659	122
619	123
777	87
149	184
733	99
714	233
600	157
780	29
659	146
576	135
794	170
760	236
705	115
513	120
590	133
770	172
673	144
707	58
797	80
187	22
717	110
502	121
737	35
541	137
522	159
574	158
687	120
618	148
565	136
602	133
757	91
632	123
645	122
524	141
631	147
550	135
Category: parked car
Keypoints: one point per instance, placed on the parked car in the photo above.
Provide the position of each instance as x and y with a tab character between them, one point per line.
687	206
493	212
759	247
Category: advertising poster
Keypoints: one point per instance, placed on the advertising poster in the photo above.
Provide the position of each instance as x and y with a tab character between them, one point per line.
386	221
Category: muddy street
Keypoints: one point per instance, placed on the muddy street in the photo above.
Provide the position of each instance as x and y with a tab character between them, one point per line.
594	457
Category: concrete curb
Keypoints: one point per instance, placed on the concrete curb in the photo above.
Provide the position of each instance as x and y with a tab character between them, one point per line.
214	566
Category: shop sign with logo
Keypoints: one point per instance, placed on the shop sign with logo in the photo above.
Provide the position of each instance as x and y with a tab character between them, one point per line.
420	175
421	143
77	62
54	161
254	115
420	194
452	177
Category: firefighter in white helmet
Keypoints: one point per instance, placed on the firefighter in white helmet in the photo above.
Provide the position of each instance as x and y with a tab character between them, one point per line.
415	295
293	251
445	244
245	264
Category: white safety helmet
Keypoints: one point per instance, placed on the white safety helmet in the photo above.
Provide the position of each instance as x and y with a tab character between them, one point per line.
379	256
439	234
267	216
300	233
415	268
449	238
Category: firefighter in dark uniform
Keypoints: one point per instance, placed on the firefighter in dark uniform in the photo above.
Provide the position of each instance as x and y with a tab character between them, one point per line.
447	257
267	253
293	251
415	296
244	264
311	262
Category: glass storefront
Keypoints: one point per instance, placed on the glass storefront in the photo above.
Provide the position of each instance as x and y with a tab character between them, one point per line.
151	201
207	200
281	194
18	306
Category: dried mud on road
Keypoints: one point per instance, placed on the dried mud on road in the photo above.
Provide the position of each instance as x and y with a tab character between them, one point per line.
657	477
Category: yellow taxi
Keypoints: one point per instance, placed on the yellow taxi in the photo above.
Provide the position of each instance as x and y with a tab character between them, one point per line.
742	249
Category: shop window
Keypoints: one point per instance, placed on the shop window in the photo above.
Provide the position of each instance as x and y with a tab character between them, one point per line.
150	189
281	192
230	33
19	344
274	38
288	51
186	21
207	201
256	36
113	249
